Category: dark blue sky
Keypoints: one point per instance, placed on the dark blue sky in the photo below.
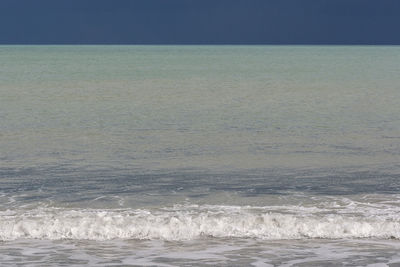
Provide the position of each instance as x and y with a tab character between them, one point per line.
200	21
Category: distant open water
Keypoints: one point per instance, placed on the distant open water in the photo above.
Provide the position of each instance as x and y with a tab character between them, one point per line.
199	155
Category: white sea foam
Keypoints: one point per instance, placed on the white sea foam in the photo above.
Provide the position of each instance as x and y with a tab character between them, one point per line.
193	222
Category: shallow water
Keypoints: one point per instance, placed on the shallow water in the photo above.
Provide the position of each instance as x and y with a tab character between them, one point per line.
199	155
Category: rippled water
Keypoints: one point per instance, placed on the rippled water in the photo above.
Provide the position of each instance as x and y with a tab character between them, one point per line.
199	155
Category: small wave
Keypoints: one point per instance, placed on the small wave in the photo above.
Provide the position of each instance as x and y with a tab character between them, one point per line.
190	222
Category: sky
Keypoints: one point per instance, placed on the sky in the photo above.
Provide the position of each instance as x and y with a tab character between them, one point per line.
200	22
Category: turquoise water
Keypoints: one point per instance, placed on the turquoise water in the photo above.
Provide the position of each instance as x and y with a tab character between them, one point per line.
146	149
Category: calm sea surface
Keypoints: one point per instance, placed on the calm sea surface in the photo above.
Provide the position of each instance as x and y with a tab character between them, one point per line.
199	155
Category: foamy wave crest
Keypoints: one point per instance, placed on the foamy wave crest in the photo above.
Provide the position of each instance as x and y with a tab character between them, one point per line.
191	222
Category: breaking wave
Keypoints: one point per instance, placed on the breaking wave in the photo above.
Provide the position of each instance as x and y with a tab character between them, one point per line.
189	222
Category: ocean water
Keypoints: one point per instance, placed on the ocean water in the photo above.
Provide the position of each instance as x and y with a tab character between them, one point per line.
200	155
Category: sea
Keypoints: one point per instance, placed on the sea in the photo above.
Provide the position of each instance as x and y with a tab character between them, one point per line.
199	155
